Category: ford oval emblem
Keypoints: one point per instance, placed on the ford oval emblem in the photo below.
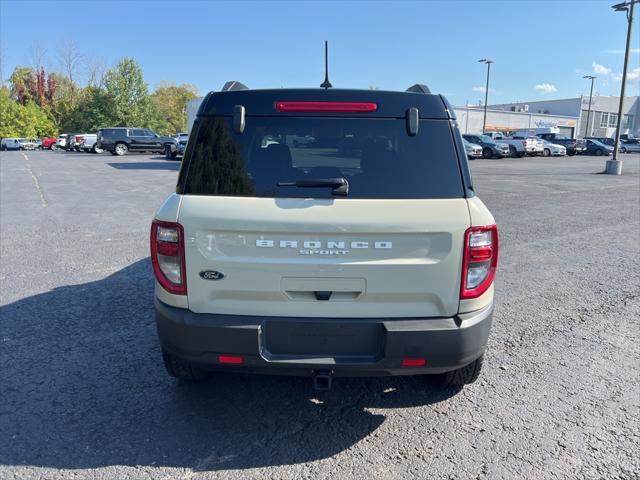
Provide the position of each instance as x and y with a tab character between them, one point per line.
211	275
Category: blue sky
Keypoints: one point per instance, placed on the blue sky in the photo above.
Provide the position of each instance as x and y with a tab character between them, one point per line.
541	48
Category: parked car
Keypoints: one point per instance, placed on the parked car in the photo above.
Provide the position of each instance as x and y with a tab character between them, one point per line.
473	151
27	144
121	140
37	143
519	144
629	146
245	281
88	142
594	147
10	144
552	149
530	141
490	148
181	136
61	142
571	144
70	143
606	140
48	143
176	149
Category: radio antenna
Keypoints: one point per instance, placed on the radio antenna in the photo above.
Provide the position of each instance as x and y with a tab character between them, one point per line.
326	83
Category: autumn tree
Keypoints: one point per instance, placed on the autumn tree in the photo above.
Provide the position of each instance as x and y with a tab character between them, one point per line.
171	103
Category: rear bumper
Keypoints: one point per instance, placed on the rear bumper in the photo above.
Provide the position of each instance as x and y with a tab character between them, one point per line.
342	346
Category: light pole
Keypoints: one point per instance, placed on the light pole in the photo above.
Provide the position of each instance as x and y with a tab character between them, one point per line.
587	132
486	92
614	166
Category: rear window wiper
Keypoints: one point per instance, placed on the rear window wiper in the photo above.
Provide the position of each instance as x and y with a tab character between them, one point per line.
339	186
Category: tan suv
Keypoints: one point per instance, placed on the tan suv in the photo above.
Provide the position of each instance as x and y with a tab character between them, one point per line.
363	251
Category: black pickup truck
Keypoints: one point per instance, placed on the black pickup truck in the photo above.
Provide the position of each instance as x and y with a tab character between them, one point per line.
572	145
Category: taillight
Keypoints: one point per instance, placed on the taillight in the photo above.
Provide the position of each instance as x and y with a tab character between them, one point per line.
167	256
326	107
480	260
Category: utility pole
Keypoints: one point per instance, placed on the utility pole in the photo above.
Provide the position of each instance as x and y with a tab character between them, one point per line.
486	92
614	166
587	132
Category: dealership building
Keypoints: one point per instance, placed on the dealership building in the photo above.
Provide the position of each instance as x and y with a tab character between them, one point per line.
568	115
602	120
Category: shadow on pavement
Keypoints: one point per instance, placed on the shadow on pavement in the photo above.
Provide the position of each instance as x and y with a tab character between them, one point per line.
166	165
83	387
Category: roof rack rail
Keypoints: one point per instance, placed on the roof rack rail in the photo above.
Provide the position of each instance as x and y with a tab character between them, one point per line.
419	88
233	85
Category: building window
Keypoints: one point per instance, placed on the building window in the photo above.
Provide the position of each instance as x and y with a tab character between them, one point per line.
628	121
613	120
604	120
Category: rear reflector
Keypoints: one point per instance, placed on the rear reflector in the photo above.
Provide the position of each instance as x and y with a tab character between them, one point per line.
231	359
413	362
326	107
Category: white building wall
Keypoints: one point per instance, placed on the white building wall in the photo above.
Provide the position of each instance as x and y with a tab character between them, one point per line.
470	120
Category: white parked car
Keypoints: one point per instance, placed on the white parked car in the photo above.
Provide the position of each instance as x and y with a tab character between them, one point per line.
26	144
61	142
88	142
473	151
519	146
10	144
553	149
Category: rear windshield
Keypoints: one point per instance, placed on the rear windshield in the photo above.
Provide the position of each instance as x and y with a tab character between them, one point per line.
376	157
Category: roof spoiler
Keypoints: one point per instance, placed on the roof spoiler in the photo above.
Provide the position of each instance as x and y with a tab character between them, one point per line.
233	85
419	88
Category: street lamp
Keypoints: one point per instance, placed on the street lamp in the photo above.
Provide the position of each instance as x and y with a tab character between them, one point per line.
587	132
486	91
614	166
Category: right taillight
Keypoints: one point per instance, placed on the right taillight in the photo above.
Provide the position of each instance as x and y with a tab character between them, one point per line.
167	256
479	261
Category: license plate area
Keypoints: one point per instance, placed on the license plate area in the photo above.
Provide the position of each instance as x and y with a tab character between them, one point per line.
321	338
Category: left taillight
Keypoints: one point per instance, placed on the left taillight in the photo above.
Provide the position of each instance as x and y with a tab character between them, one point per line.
480	260
167	256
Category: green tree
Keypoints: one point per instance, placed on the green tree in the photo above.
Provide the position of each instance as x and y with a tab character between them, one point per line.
17	120
128	94
171	103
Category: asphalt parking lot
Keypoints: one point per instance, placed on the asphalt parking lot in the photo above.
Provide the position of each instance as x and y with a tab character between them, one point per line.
84	394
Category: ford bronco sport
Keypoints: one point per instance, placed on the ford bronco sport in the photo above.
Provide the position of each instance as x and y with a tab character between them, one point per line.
364	252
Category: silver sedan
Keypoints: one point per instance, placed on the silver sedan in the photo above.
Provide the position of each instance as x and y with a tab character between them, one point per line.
553	149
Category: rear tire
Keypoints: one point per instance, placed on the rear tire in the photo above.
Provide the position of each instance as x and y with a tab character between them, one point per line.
513	152
623	150
182	370
97	150
547	152
465	375
120	149
599	152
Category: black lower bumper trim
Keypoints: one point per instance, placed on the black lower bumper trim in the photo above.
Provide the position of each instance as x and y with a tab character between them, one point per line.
342	346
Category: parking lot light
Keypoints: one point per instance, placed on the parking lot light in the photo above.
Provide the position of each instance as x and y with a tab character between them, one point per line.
486	92
587	132
614	166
